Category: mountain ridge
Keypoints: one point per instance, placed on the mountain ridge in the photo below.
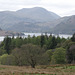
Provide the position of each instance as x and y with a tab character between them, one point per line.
66	26
9	19
36	20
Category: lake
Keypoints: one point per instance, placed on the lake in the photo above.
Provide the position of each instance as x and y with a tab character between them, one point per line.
38	34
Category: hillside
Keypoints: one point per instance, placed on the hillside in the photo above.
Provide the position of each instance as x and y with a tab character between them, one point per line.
10	20
65	26
38	14
9	33
36	19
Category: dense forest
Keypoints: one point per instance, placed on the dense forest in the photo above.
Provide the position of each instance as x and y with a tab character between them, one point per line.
40	50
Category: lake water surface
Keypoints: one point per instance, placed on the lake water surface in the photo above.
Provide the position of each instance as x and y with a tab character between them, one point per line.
38	34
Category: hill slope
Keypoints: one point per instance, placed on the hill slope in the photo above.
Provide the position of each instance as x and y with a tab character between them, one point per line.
38	14
66	25
20	19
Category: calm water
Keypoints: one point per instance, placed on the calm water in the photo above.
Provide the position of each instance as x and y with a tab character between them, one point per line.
38	34
60	35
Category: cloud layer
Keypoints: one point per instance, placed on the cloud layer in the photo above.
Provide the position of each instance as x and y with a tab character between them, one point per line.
61	7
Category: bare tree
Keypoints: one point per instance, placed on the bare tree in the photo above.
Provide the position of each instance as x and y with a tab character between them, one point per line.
29	53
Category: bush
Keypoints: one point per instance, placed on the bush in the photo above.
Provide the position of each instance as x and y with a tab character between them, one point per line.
6	59
59	56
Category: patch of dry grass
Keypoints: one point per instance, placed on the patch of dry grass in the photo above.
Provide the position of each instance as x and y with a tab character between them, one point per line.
39	70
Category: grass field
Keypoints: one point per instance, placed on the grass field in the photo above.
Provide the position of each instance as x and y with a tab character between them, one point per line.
39	70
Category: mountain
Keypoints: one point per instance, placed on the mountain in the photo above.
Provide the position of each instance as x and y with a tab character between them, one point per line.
66	25
36	19
25	18
38	14
8	19
0	29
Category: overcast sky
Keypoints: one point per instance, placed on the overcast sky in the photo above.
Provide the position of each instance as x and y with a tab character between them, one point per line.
60	7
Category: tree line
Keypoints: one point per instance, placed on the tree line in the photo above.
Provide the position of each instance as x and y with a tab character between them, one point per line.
40	50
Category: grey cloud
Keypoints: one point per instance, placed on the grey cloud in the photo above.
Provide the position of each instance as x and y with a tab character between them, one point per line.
16	4
20	2
57	7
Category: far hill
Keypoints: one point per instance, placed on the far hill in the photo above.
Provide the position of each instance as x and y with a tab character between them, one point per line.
66	25
38	14
25	18
36	19
9	33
